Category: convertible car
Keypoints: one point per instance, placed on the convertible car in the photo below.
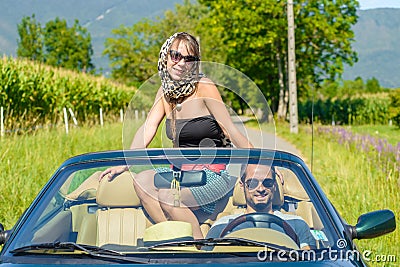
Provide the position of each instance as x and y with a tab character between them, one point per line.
78	219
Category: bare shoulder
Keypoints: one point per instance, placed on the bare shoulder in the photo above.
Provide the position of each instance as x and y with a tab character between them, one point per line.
207	87
159	92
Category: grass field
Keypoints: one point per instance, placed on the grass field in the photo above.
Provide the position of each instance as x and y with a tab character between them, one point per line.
352	181
390	133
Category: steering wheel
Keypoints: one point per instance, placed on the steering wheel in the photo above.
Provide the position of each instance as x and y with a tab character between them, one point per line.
259	219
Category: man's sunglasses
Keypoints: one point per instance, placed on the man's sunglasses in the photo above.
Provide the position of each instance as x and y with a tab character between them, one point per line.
253	183
177	56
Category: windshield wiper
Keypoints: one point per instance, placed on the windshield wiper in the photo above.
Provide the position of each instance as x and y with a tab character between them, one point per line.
93	251
211	242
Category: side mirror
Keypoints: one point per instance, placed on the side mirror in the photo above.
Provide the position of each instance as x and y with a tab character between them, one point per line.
373	224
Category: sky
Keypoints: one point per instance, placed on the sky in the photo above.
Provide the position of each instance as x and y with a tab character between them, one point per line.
367	4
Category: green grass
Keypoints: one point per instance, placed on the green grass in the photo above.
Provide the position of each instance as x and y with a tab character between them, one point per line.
351	182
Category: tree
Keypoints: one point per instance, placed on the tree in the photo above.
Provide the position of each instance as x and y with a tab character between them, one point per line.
67	47
254	36
372	86
394	108
56	44
250	36
30	44
133	52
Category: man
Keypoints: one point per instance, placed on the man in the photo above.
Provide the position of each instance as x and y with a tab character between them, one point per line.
259	185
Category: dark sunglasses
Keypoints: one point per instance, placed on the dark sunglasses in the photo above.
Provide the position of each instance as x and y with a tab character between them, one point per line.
177	56
253	183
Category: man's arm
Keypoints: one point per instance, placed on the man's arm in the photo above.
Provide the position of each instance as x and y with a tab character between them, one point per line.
302	230
215	231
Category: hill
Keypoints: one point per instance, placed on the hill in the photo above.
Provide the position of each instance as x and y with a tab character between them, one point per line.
99	16
377	33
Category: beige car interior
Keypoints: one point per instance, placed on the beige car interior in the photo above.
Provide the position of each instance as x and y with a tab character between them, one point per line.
118	217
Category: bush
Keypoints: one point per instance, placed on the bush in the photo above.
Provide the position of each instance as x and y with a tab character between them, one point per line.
357	110
394	109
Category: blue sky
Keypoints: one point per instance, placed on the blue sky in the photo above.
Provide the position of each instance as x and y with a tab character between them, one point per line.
367	4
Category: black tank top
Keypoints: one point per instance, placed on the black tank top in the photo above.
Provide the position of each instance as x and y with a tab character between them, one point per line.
197	132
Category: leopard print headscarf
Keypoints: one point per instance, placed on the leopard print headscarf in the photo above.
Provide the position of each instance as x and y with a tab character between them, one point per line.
176	89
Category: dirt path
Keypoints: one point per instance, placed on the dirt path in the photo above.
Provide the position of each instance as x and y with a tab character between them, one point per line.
265	139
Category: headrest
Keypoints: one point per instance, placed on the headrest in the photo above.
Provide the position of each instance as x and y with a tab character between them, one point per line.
167	231
240	200
292	186
86	190
118	192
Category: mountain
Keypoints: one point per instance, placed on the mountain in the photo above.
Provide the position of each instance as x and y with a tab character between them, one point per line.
98	16
377	32
377	35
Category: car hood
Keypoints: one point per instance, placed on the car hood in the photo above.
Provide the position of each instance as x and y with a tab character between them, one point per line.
336	263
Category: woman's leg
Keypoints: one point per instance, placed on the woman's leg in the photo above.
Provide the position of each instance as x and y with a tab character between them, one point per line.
148	194
160	202
184	211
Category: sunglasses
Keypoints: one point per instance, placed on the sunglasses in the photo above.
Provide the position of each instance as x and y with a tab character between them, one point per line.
177	56
253	183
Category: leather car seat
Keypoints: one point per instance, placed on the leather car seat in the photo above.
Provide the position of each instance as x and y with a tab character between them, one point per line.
300	203
120	217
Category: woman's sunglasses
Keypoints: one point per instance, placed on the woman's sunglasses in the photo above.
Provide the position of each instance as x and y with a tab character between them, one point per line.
253	183
177	56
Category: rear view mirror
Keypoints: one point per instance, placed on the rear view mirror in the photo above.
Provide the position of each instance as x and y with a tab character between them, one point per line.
185	178
374	224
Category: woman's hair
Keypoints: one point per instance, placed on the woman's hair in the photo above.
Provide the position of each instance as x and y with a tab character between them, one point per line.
190	41
193	48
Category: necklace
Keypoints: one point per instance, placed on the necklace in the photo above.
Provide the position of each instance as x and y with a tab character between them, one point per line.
179	107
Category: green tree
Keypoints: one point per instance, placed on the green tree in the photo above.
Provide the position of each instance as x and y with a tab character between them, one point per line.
30	43
394	107
67	47
250	36
373	86
56	44
133	52
254	34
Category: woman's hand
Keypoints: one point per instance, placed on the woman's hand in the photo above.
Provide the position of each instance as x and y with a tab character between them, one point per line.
111	172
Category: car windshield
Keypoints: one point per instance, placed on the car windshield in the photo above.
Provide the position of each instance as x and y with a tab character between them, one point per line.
75	207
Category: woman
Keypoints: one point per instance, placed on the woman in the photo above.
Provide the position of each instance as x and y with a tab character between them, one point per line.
196	116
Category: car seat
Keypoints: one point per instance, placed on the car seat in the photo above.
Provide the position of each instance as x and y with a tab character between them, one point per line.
298	202
120	218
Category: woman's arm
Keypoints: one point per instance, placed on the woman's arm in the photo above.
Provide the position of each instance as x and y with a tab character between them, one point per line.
213	100
143	136
148	130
